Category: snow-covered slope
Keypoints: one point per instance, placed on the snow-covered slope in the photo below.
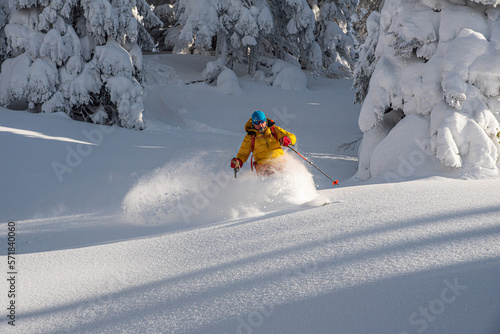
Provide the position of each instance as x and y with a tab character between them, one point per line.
120	231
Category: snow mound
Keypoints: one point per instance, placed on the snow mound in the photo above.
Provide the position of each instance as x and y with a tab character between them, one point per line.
228	83
183	194
288	77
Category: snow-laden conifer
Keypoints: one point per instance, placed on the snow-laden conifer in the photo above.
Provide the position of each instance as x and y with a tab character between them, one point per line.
80	57
363	10
334	39
4	10
166	13
294	26
367	58
317	34
436	69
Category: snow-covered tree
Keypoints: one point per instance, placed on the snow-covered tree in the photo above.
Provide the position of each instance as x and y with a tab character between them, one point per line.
4	10
367	58
199	22
233	29
165	11
333	38
247	30
78	56
294	30
363	10
434	87
244	33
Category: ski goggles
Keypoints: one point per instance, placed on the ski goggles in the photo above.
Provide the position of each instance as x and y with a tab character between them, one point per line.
259	122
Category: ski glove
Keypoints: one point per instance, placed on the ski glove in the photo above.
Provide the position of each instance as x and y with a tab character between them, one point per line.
236	163
285	141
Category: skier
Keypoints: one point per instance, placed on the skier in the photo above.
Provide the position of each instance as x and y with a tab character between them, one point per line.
264	139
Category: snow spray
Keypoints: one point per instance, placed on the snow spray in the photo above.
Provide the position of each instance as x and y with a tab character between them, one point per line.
184	193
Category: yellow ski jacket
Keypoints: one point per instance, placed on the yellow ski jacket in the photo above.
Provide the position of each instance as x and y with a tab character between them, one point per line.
266	147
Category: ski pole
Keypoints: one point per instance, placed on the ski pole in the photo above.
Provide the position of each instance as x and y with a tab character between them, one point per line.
335	182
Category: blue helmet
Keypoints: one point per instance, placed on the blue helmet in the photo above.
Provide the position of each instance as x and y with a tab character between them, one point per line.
258	116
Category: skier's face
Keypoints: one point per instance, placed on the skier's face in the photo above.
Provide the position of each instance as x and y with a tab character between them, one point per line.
260	126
